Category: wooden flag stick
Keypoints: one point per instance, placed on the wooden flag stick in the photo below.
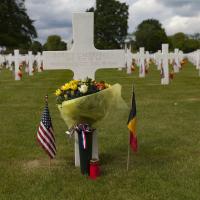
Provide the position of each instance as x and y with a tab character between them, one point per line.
128	156
46	99
49	164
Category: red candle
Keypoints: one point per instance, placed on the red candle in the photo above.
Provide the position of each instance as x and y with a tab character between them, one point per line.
94	169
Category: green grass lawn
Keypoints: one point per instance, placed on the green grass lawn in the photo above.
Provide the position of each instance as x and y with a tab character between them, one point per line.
167	165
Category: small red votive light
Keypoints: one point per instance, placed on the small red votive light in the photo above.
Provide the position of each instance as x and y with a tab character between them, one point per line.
94	169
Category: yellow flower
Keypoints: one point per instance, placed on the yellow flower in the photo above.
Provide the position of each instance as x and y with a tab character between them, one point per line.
73	82
65	87
74	87
107	85
58	92
76	81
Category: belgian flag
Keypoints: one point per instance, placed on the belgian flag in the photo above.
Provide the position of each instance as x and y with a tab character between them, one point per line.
132	125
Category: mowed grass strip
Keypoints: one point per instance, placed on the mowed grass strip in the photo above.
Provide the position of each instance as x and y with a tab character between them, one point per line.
167	165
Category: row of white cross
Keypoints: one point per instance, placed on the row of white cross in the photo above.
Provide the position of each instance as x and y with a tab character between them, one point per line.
18	59
141	58
84	59
162	59
194	57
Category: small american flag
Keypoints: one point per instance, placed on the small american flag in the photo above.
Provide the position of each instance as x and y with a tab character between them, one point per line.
45	135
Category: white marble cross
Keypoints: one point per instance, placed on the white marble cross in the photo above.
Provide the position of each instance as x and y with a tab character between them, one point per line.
9	59
176	61
142	63
147	59
17	62
129	59
159	59
180	57
165	65
197	55
2	59
18	59
171	57
26	61
39	61
198	61
30	63
83	59
137	58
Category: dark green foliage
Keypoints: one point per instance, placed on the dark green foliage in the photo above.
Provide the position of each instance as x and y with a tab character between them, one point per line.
44	47
54	43
191	45
111	23
63	45
151	35
16	28
184	42
178	40
36	47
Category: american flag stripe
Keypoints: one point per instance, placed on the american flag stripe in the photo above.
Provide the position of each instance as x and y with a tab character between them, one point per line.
47	140
44	130
40	137
48	131
45	135
51	131
45	147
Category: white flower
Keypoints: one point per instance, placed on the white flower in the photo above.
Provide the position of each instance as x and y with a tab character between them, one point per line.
83	89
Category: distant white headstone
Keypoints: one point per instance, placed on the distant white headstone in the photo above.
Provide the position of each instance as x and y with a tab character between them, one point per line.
198	59
30	63
39	61
129	58
9	61
159	60
16	60
176	61
147	58
171	58
165	65
27	65
141	63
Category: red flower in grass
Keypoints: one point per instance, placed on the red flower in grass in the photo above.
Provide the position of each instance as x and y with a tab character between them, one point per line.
20	74
41	68
171	75
100	86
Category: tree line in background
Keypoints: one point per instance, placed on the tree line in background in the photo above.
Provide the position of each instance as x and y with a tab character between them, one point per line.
18	32
53	43
150	34
16	28
111	26
110	23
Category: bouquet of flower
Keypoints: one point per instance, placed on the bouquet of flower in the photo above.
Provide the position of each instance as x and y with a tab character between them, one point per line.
77	88
87	101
